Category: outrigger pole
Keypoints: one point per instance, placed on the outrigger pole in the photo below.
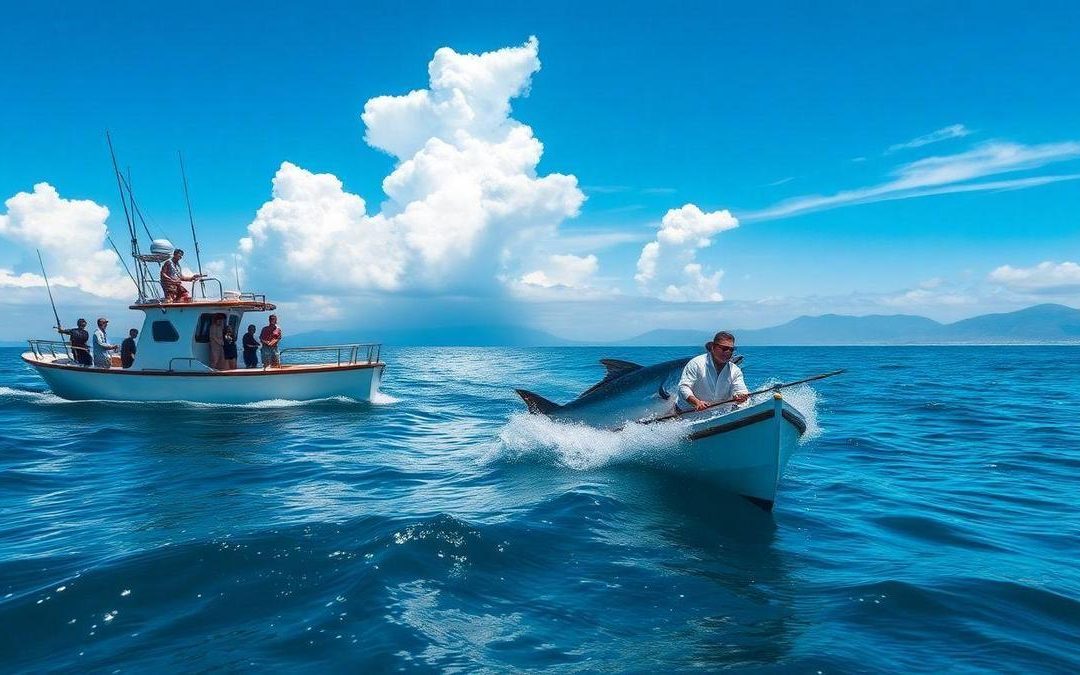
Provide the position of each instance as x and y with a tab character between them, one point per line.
51	301
191	219
126	268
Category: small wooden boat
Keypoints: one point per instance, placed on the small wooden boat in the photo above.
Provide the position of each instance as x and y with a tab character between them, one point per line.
744	451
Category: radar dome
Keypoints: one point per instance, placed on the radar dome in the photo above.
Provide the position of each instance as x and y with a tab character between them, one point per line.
161	246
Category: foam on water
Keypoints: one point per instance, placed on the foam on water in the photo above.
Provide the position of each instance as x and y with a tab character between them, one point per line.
537	438
49	398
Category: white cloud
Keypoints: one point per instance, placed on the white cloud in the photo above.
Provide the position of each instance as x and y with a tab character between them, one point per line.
667	268
70	234
1046	276
570	271
942	175
943	134
464	197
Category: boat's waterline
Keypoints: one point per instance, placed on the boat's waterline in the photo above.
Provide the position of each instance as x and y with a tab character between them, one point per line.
295	383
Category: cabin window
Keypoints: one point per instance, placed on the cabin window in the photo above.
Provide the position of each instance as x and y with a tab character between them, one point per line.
164	331
202	329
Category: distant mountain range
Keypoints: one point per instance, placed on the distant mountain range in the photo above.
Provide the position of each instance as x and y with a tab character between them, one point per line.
1041	324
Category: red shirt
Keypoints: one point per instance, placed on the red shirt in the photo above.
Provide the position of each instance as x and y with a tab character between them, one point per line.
270	334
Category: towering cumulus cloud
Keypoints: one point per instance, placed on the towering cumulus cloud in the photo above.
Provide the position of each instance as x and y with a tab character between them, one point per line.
667	268
70	233
463	198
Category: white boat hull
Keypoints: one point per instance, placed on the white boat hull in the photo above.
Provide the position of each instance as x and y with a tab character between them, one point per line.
298	383
744	452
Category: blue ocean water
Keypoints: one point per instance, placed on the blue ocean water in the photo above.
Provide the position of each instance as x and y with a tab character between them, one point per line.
929	522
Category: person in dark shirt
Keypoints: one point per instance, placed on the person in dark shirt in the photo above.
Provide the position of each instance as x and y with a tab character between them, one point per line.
80	337
228	348
251	348
127	349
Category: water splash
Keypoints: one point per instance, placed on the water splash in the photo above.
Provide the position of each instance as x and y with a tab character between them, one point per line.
803	398
381	398
580	447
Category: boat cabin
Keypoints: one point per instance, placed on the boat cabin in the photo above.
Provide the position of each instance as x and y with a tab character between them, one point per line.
176	336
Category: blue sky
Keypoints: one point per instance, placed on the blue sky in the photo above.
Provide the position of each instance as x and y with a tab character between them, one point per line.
754	110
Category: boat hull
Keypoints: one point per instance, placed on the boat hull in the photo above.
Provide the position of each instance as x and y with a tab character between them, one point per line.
360	382
744	452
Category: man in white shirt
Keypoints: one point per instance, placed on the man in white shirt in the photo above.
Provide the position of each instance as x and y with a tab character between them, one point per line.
711	377
101	346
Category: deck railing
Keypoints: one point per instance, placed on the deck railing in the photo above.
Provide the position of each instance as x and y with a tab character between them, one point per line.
198	292
344	355
53	348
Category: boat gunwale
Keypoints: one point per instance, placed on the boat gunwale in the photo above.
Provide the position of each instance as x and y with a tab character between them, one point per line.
297	369
789	414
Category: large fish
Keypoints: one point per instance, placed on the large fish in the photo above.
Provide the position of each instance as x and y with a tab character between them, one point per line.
628	392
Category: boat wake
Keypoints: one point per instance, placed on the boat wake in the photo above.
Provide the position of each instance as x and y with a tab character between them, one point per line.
49	398
380	398
536	438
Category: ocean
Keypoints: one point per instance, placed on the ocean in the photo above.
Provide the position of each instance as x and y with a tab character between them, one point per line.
928	522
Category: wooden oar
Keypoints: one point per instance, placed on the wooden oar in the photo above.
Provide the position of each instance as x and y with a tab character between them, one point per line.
775	387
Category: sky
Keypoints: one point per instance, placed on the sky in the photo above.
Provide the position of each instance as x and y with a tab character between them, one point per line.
591	170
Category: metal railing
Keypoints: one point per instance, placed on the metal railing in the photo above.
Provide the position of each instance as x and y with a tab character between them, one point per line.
53	348
345	355
191	361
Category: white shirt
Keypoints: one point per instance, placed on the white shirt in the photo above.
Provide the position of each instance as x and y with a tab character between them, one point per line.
101	344
701	379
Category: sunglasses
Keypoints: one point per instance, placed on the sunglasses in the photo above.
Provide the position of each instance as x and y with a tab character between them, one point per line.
724	348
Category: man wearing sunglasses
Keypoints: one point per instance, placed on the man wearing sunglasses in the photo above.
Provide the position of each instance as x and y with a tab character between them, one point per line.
711	377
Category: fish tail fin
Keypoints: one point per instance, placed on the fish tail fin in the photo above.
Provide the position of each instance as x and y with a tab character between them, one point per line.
537	404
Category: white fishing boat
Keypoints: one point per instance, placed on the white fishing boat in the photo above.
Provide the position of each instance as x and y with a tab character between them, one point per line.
745	451
173	361
173	350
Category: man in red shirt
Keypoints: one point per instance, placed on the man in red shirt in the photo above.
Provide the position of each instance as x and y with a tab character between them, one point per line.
269	338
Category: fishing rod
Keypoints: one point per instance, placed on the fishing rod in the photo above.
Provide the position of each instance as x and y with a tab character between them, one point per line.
126	268
123	198
191	219
56	314
775	387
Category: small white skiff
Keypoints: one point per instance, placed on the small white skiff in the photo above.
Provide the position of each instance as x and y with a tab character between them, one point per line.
745	451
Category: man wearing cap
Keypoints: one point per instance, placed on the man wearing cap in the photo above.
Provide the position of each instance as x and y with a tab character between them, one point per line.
711	377
79	339
101	345
173	278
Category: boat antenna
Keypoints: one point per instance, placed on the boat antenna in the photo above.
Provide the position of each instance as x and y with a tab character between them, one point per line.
123	198
51	301
236	269
126	268
191	219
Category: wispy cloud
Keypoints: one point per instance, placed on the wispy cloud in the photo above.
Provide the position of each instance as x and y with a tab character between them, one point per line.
780	182
941	175
943	134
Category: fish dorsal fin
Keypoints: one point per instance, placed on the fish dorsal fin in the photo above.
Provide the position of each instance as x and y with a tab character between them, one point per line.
537	404
615	369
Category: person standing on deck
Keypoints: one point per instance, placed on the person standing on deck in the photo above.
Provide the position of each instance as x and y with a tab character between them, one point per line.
270	337
127	349
228	349
173	278
217	342
80	339
251	348
711	377
101	345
